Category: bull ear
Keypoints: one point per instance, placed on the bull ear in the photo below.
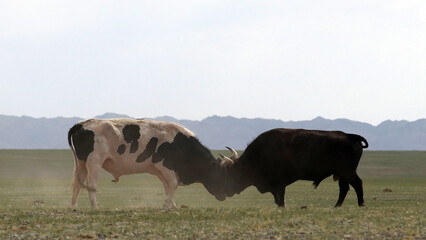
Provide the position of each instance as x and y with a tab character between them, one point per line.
225	161
234	156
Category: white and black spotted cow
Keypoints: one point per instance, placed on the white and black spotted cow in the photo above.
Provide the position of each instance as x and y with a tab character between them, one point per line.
128	146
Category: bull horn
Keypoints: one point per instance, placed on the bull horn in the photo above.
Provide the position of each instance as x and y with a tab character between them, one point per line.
226	161
234	153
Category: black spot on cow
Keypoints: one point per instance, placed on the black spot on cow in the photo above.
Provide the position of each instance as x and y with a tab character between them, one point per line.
149	150
131	135
121	149
83	140
188	157
162	150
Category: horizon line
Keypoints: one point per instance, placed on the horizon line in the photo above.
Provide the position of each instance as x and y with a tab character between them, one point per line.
215	115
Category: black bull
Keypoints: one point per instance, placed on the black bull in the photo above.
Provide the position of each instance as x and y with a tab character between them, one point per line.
279	157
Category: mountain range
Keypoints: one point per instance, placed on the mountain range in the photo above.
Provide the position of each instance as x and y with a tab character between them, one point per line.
216	132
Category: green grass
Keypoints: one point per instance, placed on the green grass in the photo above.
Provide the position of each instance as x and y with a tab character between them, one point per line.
35	194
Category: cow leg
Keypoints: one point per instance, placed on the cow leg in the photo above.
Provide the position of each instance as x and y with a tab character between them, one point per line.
343	190
75	192
166	188
356	183
79	173
170	184
92	181
279	196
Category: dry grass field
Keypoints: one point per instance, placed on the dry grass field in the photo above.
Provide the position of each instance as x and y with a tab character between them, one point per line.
35	194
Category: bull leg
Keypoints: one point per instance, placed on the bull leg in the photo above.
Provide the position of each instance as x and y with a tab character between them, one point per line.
344	188
92	182
279	196
356	183
81	173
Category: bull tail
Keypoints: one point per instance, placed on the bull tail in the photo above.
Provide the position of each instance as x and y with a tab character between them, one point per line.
76	176
358	138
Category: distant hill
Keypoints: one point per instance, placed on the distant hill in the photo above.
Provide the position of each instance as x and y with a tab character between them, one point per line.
216	132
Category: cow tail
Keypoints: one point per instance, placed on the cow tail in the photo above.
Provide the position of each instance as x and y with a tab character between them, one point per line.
76	177
359	138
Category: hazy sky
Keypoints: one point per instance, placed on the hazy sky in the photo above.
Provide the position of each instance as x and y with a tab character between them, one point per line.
288	60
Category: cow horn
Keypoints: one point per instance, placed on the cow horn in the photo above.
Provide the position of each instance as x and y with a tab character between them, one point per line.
234	153
226	161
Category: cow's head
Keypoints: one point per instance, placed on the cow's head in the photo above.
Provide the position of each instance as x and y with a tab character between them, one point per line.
217	178
222	177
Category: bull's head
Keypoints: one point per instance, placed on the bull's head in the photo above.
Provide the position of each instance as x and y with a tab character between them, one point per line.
228	161
217	181
224	180
236	175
